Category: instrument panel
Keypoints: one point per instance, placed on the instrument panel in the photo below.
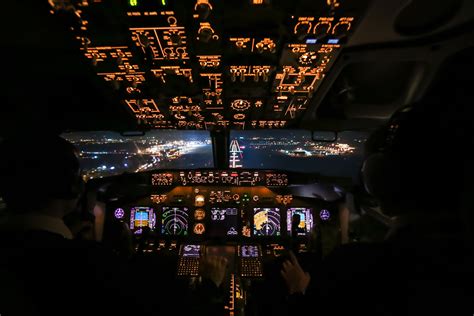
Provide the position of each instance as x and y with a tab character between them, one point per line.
201	64
220	204
252	218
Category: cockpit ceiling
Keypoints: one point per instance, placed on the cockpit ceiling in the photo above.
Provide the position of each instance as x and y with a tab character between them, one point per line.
205	64
201	64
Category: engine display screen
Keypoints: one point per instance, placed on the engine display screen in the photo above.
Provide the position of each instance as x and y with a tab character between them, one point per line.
192	251
266	221
249	251
304	218
224	222
142	217
174	221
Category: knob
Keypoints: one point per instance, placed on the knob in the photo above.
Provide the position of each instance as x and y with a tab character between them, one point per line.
175	39
203	9
239	45
205	34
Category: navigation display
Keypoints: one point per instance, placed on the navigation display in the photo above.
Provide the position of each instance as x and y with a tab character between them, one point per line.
224	222
305	220
174	221
266	221
142	217
192	251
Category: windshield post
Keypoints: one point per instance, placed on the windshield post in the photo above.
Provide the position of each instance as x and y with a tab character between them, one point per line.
220	148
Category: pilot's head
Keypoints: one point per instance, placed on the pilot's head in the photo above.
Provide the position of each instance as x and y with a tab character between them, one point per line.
39	174
414	163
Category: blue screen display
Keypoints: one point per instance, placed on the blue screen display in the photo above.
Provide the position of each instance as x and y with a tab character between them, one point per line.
141	216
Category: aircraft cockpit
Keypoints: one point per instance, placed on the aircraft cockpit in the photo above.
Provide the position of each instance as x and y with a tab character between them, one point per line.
251	216
235	129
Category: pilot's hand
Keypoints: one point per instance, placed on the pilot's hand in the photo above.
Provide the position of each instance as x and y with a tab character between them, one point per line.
296	279
213	268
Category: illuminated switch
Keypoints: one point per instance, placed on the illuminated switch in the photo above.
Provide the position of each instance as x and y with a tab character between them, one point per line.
321	29
302	28
256	76
259	2
233	75
342	28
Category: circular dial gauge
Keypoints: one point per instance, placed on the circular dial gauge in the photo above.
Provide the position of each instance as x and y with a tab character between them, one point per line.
240	105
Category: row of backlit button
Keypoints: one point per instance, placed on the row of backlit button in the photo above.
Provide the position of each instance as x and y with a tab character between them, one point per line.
188	266
251	268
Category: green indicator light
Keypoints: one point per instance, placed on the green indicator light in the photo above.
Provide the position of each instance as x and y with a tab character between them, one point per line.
133	3
163	2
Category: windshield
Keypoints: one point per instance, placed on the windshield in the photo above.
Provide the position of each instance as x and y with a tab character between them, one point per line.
294	150
108	153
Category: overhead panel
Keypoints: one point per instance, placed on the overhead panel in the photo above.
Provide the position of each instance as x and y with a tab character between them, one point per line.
205	64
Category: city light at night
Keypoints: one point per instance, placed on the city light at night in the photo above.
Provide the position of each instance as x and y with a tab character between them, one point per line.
106	153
